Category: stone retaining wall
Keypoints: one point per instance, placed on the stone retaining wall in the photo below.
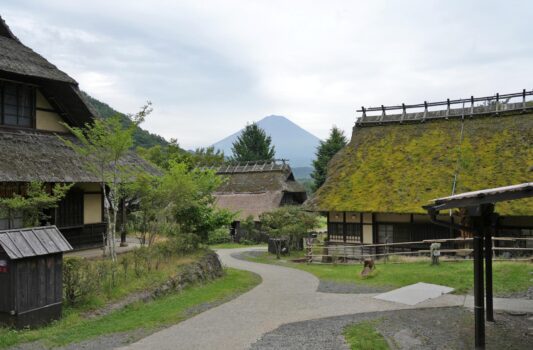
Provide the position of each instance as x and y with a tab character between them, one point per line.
206	269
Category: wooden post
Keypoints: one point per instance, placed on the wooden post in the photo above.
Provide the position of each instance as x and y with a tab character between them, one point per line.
403	113
471	106
123	229
490	220
479	305
497	108
524	99
448	108
344	227
327	224
425	111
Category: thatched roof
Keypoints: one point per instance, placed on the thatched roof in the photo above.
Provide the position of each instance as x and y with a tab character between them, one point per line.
20	63
397	168
256	188
41	156
249	204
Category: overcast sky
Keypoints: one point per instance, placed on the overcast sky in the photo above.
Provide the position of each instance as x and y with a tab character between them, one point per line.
209	67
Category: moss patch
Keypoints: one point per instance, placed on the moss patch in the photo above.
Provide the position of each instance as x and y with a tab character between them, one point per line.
399	168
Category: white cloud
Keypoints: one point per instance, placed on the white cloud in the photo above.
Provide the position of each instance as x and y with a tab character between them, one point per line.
211	66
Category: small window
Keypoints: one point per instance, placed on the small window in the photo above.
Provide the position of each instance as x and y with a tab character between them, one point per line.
18	104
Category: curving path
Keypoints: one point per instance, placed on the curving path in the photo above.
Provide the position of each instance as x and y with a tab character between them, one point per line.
285	295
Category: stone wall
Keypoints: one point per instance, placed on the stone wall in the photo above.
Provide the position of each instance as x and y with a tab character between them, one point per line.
206	269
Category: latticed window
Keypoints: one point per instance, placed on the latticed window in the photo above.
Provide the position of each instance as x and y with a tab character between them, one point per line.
18	104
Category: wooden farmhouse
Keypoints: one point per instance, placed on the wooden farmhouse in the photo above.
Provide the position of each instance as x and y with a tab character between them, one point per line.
257	187
396	163
36	99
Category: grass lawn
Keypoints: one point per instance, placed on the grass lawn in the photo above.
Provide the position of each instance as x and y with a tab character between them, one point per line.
508	276
363	336
162	312
234	245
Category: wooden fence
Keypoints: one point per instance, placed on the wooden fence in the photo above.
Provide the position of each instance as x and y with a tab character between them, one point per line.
320	253
470	107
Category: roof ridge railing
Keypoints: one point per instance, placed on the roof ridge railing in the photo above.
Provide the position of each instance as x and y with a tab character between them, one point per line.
249	166
492	105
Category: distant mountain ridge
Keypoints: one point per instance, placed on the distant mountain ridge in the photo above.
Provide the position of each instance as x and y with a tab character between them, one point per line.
141	137
290	140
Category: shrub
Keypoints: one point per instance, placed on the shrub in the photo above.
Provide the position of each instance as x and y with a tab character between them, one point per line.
185	243
79	280
219	235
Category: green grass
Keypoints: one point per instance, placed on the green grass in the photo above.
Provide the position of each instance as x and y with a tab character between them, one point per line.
508	277
234	245
363	336
128	283
162	312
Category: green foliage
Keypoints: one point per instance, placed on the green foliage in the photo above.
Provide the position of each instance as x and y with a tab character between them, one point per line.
253	144
508	277
399	168
207	156
33	203
157	314
141	138
250	231
288	222
78	281
106	143
325	151
308	184
192	201
364	336
150	215
219	236
85	279
164	156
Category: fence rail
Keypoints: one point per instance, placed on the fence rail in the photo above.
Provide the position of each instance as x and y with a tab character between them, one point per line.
470	107
318	252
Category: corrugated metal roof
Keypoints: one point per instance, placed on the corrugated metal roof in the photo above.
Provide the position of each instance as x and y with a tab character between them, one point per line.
33	241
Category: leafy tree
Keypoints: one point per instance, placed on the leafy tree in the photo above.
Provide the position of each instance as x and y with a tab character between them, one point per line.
105	143
253	144
288	222
325	151
190	194
150	215
33	204
163	156
141	137
208	156
250	231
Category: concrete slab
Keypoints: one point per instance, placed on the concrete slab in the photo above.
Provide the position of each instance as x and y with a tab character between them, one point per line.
414	293
504	304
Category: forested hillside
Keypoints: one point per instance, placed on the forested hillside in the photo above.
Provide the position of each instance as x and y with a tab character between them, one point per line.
141	137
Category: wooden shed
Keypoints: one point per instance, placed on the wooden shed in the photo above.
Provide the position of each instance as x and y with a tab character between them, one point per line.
31	272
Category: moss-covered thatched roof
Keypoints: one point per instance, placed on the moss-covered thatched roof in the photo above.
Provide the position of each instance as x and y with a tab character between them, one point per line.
398	168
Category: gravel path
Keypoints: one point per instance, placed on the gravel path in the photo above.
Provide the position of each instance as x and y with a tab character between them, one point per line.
420	329
285	295
327	286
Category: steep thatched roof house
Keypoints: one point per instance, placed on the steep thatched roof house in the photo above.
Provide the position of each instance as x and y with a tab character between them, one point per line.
258	187
394	164
36	98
